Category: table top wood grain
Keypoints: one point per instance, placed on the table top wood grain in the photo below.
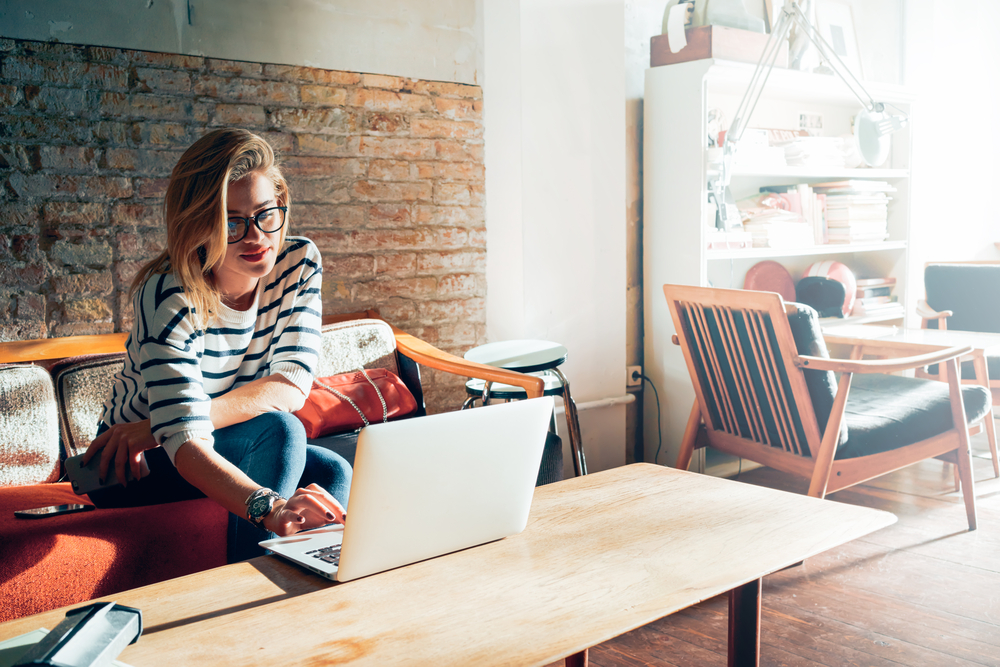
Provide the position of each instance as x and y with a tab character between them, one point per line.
602	554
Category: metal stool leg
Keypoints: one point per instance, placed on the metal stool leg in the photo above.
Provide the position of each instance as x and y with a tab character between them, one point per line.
470	402
573	426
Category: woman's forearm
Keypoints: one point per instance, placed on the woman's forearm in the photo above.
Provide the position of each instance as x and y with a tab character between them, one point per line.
273	393
214	476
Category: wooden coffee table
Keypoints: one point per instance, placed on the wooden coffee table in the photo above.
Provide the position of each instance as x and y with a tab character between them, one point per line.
602	554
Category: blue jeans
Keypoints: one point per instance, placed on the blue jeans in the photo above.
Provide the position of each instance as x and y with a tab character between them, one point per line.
271	449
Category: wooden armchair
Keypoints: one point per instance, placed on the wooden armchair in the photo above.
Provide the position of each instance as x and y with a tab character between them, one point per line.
766	391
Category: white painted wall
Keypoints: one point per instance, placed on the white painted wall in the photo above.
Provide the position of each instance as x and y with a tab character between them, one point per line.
426	39
564	250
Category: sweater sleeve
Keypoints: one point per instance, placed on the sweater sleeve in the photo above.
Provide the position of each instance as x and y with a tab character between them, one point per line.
296	351
170	353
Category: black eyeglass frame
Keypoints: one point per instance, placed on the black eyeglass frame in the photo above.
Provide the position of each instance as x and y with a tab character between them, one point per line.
256	221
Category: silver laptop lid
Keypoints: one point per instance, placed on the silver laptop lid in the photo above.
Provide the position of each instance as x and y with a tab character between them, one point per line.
432	485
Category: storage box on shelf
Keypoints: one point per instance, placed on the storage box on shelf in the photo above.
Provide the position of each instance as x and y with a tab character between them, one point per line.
677	216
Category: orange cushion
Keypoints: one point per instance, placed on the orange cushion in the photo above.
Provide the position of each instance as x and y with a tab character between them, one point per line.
55	561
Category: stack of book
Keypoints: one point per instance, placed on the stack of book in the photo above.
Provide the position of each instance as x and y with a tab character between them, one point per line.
775	220
875	298
810	205
856	211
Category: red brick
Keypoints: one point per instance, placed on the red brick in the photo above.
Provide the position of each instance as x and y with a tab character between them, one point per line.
318	190
151	188
471	310
445	89
477	238
342	267
374	99
460	109
315	121
459	284
73	213
398	311
31	307
364	240
461	194
82	329
446	238
22	331
412	288
239	115
233	67
141	245
106	132
146	162
452	129
311	75
125	271
83	283
460	171
386	123
323	96
7	44
59	186
451	262
37	127
325	216
61	72
461	333
14	214
147	215
328	167
56	100
459	151
53	50
328	144
68	158
377	191
450	216
168	60
391	170
146	105
9	96
391	82
165	134
22	274
397	265
163	80
246	90
281	142
396	148
390	215
19	156
105	54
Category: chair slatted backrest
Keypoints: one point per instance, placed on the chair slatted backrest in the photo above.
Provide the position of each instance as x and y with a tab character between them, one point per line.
740	354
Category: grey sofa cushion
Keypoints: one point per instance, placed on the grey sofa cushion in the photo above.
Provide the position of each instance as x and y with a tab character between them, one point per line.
29	426
82	385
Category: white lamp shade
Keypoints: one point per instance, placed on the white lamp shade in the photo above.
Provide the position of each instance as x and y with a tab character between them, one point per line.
872	142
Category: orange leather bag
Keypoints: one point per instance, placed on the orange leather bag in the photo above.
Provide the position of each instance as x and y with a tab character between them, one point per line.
350	401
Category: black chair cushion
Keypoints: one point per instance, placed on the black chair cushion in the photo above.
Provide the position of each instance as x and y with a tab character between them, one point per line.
886	412
822	385
825	295
965	289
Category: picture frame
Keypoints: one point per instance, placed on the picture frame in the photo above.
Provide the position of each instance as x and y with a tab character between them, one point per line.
835	22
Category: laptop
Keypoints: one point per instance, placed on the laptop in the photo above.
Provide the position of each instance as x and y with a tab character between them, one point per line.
429	486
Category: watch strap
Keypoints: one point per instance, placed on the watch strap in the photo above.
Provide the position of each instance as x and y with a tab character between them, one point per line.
262	492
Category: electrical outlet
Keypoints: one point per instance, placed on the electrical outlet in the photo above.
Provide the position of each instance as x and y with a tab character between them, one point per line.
633	376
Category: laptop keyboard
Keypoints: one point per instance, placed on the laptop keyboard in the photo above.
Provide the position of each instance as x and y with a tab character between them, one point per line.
329	555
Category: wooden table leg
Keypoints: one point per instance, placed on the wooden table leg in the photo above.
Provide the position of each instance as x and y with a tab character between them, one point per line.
580	659
983	378
744	625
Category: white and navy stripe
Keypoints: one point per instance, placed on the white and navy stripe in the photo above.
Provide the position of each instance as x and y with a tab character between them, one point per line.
173	369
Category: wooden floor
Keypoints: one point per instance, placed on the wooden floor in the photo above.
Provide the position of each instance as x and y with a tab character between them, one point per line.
921	592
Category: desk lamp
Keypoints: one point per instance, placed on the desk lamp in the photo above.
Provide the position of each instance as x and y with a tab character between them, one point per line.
872	126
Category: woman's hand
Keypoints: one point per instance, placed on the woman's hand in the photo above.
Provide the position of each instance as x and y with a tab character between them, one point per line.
310	507
123	444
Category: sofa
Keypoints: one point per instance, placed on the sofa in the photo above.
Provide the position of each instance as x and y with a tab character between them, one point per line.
51	391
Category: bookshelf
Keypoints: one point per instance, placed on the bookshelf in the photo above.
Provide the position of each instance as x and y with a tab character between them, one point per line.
676	169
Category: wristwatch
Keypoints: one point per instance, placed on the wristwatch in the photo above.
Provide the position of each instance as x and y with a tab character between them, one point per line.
259	505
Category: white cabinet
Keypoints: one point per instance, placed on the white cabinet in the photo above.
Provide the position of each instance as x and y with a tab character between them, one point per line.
675	204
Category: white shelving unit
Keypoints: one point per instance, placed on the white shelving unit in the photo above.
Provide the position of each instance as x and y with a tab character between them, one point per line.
675	206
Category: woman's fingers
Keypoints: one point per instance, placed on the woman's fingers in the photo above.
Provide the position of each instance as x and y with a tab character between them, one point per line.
95	446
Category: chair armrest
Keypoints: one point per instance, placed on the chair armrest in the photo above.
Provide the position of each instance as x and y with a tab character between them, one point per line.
427	355
927	313
883	365
56	348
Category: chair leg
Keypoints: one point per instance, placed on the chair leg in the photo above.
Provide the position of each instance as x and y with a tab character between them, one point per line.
983	378
572	426
690	436
963	453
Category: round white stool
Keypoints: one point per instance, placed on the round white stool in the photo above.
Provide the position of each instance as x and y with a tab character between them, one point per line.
537	357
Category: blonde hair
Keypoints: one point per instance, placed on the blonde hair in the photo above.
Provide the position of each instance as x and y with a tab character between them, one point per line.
195	212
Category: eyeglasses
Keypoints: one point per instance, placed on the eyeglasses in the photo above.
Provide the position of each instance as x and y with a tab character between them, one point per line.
268	221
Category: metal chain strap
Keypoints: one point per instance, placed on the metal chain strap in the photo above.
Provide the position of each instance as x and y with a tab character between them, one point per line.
385	409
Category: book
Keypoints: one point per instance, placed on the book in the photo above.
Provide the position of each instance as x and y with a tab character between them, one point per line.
875	300
869	292
875	282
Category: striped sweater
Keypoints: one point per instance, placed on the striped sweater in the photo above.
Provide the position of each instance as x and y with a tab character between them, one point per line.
173	369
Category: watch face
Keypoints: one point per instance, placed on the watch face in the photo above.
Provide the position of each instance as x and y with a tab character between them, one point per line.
259	507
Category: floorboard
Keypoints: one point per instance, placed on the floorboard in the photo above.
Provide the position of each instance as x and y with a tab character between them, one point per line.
924	591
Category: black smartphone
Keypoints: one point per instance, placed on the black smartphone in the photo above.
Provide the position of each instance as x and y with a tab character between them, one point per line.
51	510
86	478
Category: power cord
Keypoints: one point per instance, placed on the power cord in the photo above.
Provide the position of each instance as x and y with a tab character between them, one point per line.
659	427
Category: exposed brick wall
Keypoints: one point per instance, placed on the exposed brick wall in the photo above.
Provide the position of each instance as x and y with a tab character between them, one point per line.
386	175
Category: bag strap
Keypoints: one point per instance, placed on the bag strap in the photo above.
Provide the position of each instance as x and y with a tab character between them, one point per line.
342	396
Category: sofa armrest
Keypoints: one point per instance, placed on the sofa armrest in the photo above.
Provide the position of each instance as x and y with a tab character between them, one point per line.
24	351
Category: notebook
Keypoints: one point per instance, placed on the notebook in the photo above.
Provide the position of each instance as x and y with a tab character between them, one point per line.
429	486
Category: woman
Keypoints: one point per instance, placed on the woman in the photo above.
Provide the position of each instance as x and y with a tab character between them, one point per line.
221	352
